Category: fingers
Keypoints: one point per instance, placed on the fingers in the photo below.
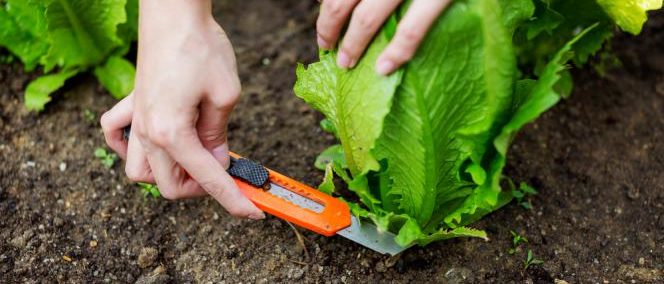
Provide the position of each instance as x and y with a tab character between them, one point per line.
137	168
211	127
173	181
333	16
113	123
411	31
367	18
189	152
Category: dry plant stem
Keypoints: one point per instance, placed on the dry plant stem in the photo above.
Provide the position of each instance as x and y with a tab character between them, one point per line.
300	240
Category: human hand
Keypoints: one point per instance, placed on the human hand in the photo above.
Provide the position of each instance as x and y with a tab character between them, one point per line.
186	87
366	18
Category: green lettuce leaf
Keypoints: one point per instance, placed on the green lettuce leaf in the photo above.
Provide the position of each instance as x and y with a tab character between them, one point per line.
333	154
128	31
531	99
452	113
23	29
356	101
82	33
327	186
630	15
467	63
38	93
74	35
410	233
117	76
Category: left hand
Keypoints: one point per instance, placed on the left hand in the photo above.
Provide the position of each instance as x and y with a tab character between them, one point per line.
366	18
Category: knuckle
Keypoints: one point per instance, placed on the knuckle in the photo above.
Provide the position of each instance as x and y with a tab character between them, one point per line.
402	52
410	34
105	122
160	133
335	8
233	93
366	20
351	47
212	135
229	98
325	30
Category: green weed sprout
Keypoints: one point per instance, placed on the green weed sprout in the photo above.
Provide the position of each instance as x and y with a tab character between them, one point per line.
107	159
149	190
531	260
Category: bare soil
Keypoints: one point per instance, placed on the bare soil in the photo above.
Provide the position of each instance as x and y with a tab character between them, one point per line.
597	160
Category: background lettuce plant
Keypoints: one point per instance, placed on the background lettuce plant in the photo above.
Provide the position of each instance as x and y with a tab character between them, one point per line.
424	148
67	37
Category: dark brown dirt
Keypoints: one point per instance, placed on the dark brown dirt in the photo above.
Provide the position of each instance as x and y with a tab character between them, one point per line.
597	160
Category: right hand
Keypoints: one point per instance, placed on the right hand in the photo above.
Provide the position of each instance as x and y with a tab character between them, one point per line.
186	87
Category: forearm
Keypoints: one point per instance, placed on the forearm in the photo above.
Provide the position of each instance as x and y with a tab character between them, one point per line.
171	18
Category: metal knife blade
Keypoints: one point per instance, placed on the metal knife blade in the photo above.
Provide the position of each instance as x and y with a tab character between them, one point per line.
368	235
363	233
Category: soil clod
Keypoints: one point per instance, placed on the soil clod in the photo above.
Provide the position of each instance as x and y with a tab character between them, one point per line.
147	257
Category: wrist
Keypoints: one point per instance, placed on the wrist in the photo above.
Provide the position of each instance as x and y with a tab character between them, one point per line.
160	19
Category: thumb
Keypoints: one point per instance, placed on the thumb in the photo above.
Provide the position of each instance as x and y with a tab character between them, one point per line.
212	129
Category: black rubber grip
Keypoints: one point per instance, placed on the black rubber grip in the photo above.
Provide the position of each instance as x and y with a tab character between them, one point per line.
249	171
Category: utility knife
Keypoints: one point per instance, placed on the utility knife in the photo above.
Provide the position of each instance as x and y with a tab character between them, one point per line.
298	203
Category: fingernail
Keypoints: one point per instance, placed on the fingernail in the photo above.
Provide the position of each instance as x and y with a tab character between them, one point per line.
322	43
221	154
257	216
344	61
385	67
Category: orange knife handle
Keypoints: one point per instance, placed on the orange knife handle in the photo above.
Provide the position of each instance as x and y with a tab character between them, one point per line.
334	217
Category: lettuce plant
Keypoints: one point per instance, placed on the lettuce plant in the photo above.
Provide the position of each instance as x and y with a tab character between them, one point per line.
67	37
424	148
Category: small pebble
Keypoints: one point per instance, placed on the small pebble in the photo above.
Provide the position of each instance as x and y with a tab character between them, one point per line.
660	88
459	275
632	192
63	166
296	273
147	257
380	267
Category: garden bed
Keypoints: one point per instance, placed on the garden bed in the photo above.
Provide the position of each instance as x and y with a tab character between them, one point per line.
596	159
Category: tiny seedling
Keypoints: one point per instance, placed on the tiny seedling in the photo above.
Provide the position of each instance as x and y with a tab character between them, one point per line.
531	260
521	194
149	190
6	59
90	116
107	159
517	240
